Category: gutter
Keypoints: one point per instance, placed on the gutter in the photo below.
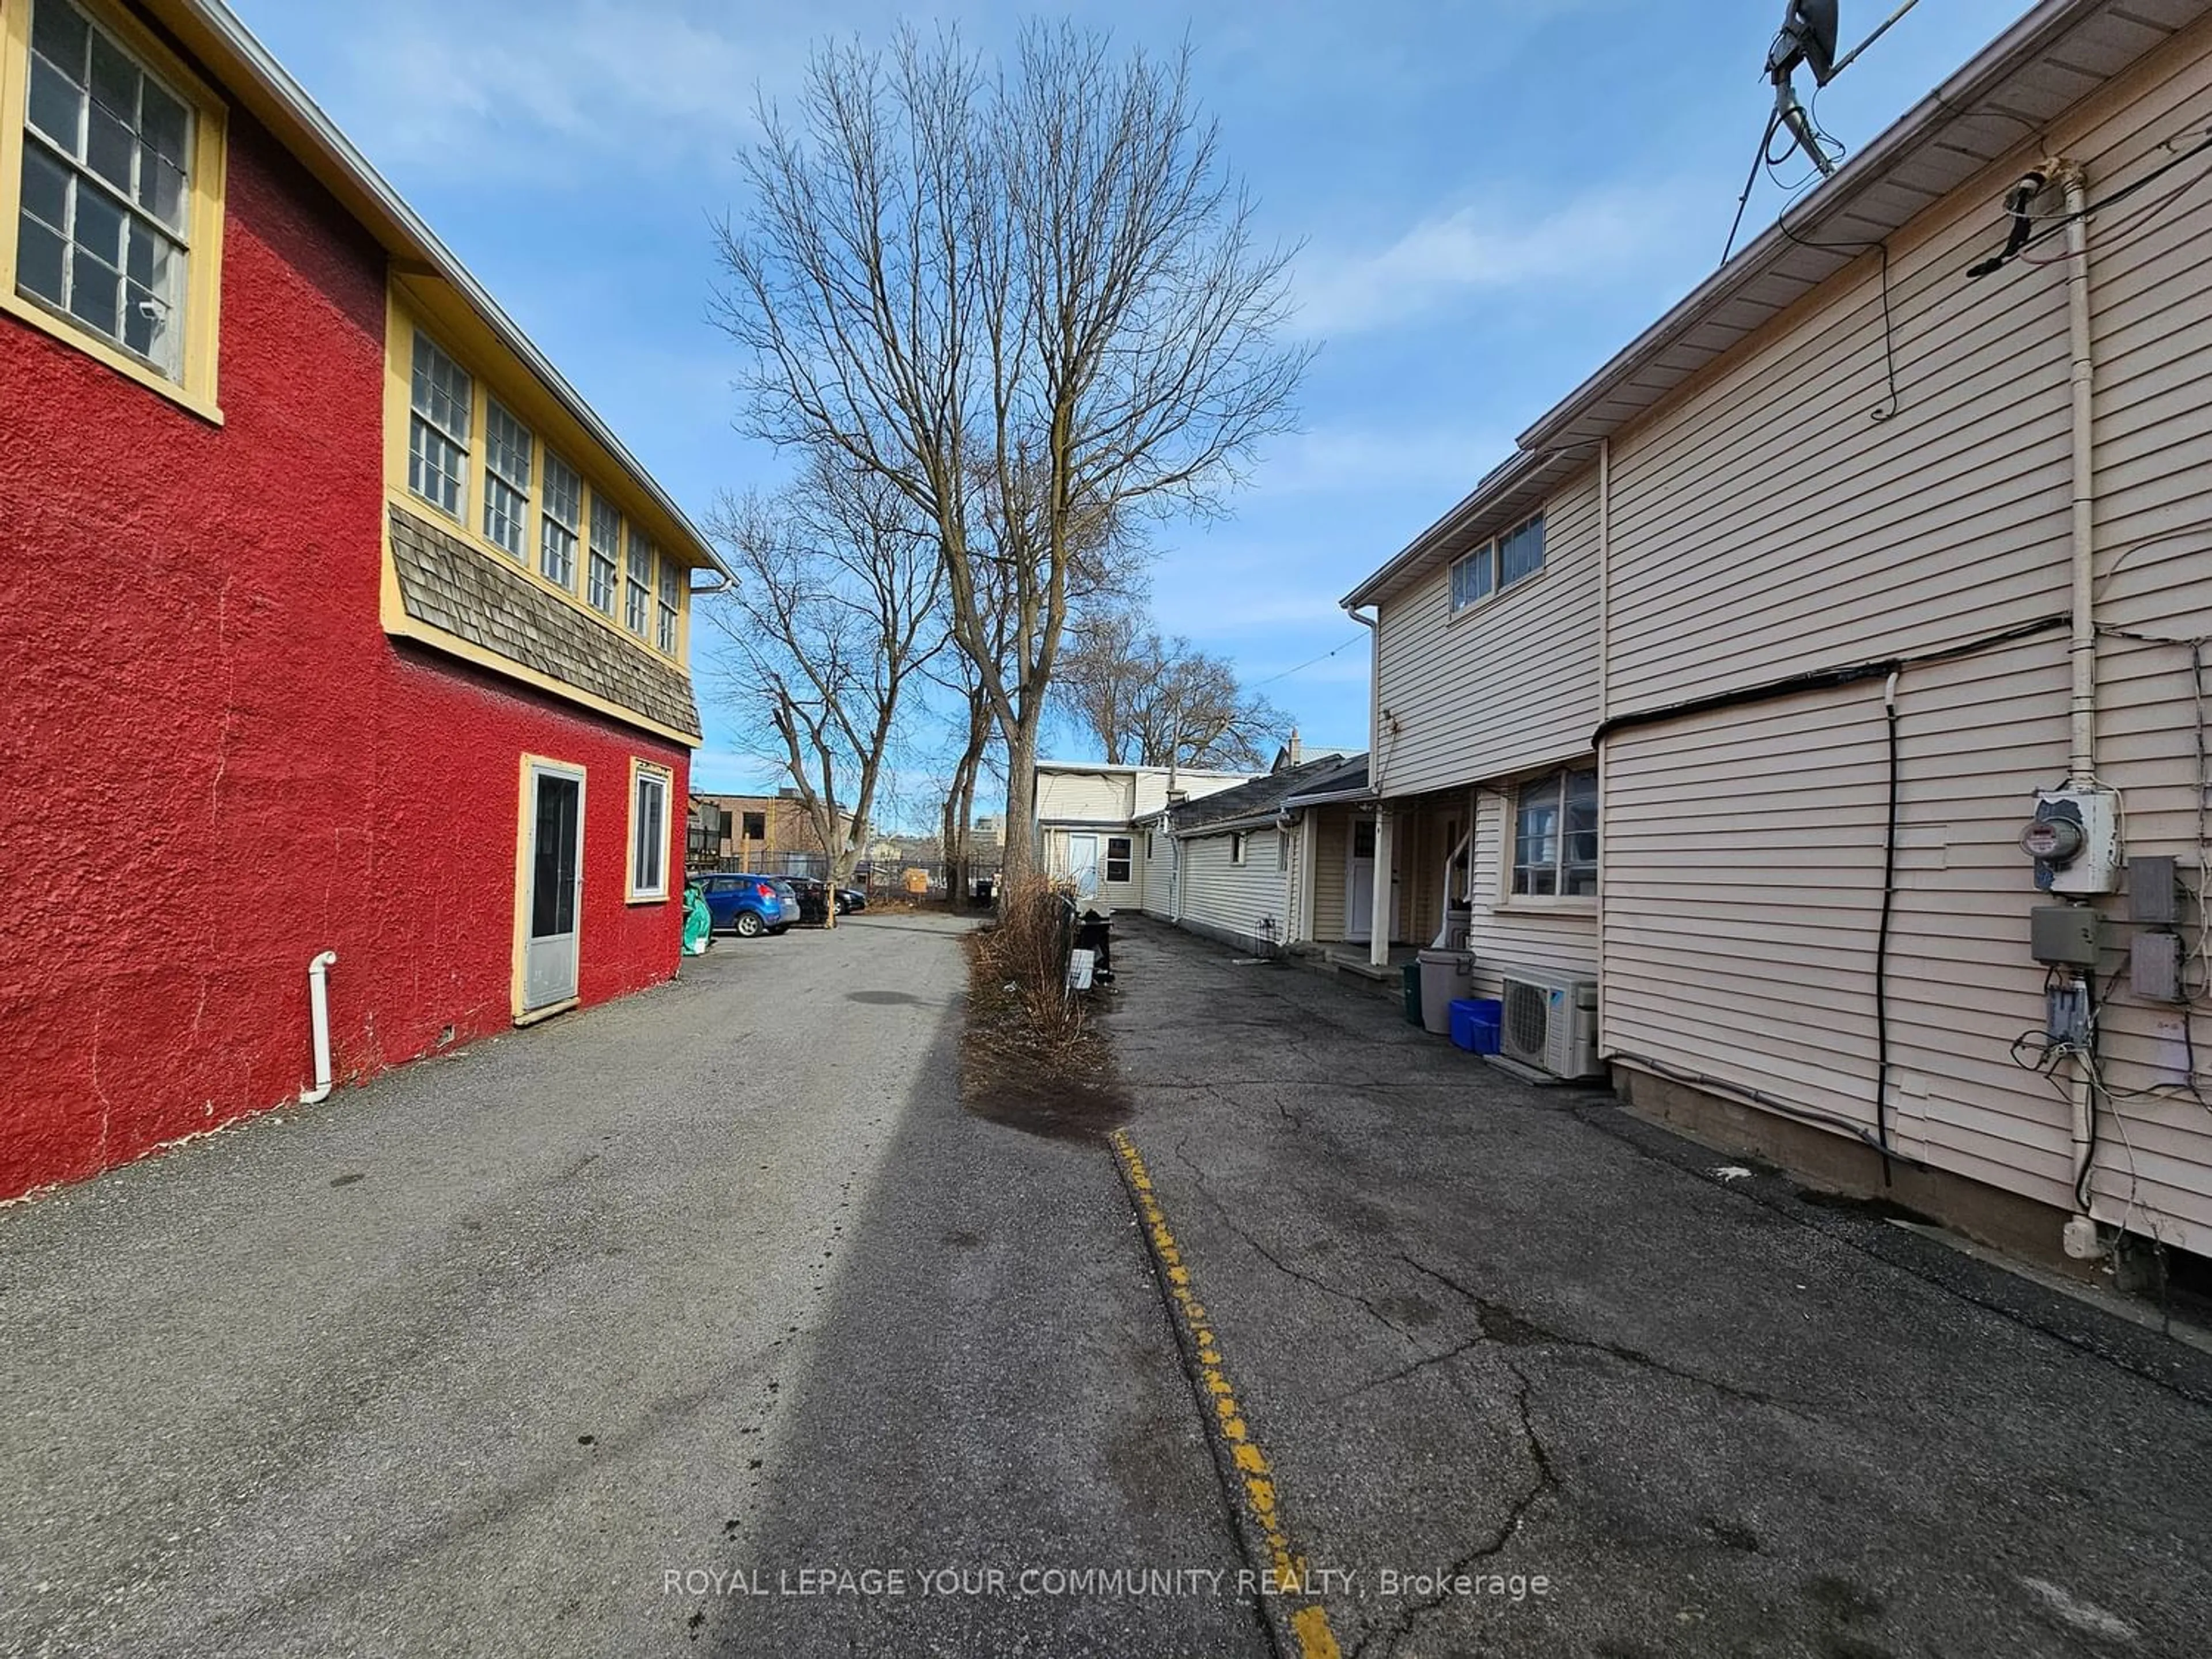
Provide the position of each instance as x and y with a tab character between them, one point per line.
248	60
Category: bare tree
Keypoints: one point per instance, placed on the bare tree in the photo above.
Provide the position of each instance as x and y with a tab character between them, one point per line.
1152	701
1030	300
837	607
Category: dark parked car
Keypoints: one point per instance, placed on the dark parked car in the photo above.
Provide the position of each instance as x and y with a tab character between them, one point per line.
814	906
747	905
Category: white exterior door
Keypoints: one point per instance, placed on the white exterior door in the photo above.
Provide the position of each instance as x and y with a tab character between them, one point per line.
1359	886
1083	865
555	896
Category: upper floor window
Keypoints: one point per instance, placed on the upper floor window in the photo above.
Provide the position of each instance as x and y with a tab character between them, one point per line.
561	524
607	554
637	592
1497	564
508	451
1555	836
440	401
104	227
670	605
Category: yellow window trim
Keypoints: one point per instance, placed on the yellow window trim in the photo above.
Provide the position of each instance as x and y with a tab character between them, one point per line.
632	893
520	397
203	261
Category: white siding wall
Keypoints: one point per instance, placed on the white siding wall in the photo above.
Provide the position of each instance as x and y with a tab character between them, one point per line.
1509	685
1232	897
1156	854
1505	932
1086	797
1763	527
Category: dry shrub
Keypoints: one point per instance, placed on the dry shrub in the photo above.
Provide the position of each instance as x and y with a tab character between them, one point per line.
1027	950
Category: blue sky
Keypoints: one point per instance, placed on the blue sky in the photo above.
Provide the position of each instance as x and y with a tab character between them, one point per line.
1492	198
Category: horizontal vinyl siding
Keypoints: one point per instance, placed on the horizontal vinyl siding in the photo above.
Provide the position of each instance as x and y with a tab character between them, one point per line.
1085	797
1504	936
1232	897
1156	854
1743	855
1512	684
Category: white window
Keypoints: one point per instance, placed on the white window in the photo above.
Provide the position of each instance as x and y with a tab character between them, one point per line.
1497	564
1282	851
561	522
607	554
1555	836
438	429
637	592
1236	847
1117	857
648	833
670	605
508	450
106	203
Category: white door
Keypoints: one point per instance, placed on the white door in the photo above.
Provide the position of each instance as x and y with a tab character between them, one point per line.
1083	865
1359	886
556	884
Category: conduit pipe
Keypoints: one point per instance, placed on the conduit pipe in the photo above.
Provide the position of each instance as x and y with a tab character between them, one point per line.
2082	651
318	1015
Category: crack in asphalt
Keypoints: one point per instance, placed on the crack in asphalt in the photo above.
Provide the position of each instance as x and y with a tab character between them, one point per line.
1547	1480
1504	1325
1276	1261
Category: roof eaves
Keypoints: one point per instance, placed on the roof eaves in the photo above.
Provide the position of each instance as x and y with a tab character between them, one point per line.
415	238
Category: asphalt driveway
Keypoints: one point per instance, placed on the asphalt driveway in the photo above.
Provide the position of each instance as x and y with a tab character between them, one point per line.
1494	1335
598	1339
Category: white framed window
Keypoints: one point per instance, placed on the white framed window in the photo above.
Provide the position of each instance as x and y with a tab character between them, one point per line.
439	403
104	226
1282	851
1498	564
605	560
1555	836
1117	857
1151	846
637	590
561	522
648	831
508	451
669	603
1236	844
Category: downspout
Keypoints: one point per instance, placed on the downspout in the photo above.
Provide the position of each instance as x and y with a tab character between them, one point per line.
2081	1232
1374	684
319	1016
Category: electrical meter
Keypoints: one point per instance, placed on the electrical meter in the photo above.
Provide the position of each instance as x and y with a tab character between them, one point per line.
2075	840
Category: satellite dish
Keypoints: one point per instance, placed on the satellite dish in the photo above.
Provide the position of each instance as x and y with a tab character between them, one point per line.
1807	37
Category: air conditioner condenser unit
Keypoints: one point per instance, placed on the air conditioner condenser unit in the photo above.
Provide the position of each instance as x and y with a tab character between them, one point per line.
1550	1022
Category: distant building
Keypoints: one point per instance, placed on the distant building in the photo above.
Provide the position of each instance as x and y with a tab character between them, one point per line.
772	833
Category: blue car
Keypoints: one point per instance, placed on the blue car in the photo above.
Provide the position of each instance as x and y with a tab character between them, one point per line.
748	906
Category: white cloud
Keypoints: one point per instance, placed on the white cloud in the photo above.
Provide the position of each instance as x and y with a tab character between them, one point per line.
519	89
1429	458
1488	246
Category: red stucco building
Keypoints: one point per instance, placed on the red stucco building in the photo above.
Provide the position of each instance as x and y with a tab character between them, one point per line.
331	618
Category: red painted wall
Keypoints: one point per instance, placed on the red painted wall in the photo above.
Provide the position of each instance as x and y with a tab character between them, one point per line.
213	762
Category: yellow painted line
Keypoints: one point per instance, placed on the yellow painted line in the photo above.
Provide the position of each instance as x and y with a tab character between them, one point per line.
1256	1488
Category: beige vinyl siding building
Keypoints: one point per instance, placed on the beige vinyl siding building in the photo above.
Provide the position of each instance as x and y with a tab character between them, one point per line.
1085	814
1830	567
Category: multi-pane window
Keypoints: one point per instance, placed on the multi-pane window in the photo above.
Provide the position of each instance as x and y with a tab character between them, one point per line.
102	235
1498	563
438	428
561	523
605	556
637	592
648	834
1117	857
508	450
671	600
1555	836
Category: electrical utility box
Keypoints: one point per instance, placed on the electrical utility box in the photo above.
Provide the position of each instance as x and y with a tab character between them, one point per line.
2075	840
2065	935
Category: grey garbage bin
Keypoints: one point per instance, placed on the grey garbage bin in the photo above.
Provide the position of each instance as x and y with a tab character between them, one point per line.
1445	974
